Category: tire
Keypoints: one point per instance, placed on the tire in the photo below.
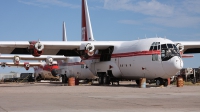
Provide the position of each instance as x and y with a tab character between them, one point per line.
194	80
137	82
101	79
165	83
159	81
106	80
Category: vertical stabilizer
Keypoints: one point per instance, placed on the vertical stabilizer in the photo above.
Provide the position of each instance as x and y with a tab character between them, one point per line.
86	28
64	32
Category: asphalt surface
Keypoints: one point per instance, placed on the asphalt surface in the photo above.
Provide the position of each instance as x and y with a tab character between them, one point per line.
127	97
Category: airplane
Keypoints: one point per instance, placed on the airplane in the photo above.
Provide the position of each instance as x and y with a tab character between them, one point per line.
151	58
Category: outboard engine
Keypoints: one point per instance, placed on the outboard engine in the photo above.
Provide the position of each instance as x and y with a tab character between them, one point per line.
26	65
180	47
36	48
90	49
16	60
54	72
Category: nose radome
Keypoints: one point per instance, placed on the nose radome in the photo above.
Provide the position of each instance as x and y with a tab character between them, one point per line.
178	62
172	66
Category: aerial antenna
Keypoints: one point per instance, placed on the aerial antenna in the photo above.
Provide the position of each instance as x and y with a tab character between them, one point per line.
156	36
138	38
145	36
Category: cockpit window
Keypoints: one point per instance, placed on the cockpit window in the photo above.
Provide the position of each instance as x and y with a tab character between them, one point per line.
155	46
168	51
169	46
164	46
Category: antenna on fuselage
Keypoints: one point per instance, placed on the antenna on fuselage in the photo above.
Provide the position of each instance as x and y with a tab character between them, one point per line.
156	36
145	36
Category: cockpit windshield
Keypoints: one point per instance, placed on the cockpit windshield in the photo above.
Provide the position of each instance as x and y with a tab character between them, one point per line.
168	51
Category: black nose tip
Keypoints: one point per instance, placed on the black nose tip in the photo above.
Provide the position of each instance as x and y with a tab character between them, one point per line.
54	72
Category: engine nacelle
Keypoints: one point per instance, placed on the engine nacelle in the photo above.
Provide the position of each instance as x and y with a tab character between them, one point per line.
3	64
16	60
89	49
49	60
180	47
26	65
54	72
36	48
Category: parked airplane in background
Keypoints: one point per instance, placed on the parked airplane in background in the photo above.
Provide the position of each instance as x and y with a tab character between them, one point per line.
152	58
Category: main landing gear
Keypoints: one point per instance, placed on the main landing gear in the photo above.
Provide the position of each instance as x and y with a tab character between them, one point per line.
104	79
160	81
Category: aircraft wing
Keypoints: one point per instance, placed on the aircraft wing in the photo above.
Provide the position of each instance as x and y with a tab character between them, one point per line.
190	46
21	64
29	57
66	48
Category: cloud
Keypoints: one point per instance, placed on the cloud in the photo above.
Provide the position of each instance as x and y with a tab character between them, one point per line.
179	21
48	3
152	8
183	13
129	22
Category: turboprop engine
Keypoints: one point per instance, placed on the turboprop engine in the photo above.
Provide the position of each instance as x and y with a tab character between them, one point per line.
26	65
3	64
16	60
49	60
180	47
90	49
36	48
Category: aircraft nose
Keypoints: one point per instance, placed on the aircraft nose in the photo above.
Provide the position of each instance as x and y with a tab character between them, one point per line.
172	66
177	62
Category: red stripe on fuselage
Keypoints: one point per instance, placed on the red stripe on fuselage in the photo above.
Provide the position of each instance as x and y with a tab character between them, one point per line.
128	54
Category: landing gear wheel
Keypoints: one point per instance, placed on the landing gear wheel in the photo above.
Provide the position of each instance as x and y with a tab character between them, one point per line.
159	81
137	82
106	80
101	78
194	80
165	83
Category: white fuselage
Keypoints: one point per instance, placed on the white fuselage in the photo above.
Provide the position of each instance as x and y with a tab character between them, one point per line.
134	60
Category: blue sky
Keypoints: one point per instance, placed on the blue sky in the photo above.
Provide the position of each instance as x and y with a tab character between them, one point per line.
177	20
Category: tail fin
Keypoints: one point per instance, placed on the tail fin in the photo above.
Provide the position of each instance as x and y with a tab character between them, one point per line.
86	33
64	32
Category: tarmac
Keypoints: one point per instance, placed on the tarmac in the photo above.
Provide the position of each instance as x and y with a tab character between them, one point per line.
127	97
